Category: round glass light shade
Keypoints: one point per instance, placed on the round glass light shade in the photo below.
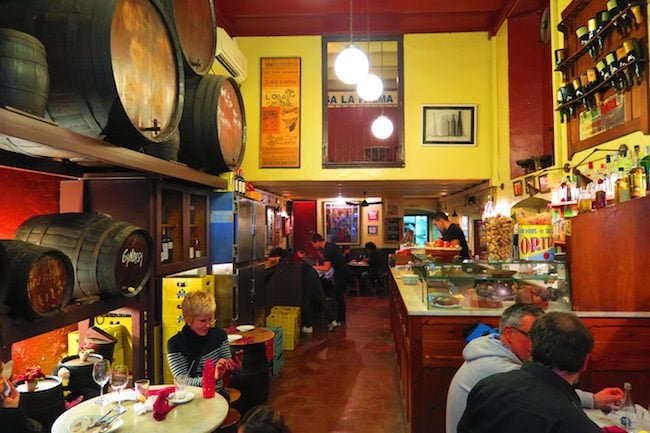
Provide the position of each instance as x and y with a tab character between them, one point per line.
351	65
382	127
370	87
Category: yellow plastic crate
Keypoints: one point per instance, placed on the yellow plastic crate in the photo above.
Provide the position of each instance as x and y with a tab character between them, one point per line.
289	341
175	288
286	309
288	323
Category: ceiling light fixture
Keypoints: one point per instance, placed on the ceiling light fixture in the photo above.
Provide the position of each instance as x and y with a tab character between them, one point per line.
370	87
351	64
382	126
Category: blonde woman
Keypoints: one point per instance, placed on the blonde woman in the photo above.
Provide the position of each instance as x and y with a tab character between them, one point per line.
200	340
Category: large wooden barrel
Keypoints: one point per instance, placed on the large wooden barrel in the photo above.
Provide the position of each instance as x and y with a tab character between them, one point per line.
195	24
45	403
40	281
115	66
24	80
81	375
109	257
213	128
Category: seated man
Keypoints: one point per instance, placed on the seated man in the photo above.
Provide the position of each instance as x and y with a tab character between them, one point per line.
498	353
377	267
539	397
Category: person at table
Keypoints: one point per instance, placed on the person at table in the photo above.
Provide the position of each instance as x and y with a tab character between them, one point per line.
312	288
377	267
12	418
333	258
451	232
262	419
539	397
199	341
505	351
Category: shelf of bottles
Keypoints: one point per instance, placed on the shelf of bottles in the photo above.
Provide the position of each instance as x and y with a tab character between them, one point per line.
198	226
171	226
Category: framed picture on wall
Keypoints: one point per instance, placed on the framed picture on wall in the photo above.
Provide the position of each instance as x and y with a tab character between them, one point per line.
341	223
392	230
373	230
449	125
373	215
529	182
543	183
517	188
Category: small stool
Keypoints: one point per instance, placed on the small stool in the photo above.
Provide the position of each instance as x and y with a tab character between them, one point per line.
229	425
234	394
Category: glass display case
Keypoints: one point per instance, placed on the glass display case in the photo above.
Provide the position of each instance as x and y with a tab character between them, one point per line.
482	284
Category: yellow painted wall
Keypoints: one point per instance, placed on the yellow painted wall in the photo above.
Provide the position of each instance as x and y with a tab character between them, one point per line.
440	69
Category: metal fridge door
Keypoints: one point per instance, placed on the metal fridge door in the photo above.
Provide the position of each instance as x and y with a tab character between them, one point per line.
244	230
245	294
260	301
259	231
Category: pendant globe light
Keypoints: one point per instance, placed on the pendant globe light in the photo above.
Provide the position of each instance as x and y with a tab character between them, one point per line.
351	64
382	126
370	87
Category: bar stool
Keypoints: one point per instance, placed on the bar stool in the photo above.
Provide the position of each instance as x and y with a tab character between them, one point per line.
229	425
234	395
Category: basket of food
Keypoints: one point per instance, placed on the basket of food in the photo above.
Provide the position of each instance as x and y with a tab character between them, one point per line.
439	254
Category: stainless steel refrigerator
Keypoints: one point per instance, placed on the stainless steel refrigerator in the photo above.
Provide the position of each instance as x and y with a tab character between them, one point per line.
237	236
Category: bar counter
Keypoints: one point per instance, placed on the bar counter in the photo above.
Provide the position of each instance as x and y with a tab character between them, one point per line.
429	345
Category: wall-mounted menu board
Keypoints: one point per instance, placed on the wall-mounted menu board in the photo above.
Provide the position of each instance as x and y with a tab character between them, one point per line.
605	70
393	229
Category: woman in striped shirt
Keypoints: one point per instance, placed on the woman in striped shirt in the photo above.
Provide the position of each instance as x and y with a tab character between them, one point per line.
199	341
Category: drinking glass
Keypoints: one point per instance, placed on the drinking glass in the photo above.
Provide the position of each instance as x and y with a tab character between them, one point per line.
142	389
119	380
101	376
180	384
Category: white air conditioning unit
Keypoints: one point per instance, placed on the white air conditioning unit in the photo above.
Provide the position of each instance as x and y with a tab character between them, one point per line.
230	56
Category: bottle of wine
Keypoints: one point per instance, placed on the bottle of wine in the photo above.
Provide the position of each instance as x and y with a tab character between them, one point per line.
170	247
622	189
645	163
637	177
459	125
197	247
164	253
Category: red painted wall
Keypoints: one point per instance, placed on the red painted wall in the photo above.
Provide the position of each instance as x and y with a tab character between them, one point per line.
22	195
531	94
304	223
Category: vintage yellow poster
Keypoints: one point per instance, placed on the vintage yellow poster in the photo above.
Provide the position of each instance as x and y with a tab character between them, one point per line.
280	116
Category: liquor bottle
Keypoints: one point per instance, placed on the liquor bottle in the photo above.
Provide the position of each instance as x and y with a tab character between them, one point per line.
459	125
208	379
170	247
622	189
197	247
584	201
628	410
164	253
637	176
613	176
645	163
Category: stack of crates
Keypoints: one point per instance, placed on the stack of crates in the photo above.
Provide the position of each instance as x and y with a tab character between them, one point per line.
287	318
174	290
278	351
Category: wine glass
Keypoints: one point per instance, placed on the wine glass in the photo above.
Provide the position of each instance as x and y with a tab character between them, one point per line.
119	380
101	376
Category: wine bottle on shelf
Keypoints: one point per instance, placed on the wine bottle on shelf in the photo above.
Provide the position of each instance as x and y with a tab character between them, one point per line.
164	253
170	247
622	189
637	176
645	163
197	247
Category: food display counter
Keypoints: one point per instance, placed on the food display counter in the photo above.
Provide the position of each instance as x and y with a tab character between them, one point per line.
429	344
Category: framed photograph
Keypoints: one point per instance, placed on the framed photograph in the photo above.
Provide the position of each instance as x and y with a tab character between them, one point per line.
373	215
542	179
373	230
517	188
449	125
530	182
341	223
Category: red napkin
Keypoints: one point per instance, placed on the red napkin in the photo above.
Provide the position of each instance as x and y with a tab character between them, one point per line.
245	340
168	390
613	429
161	407
231	329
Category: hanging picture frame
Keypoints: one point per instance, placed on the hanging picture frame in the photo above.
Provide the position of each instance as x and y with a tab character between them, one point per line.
341	223
449	125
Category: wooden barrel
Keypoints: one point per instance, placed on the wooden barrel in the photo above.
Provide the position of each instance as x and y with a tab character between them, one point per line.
195	25
213	128
109	257
81	375
115	66
45	403
167	149
24	80
40	281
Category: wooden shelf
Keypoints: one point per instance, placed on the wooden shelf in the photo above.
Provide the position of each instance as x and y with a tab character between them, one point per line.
94	152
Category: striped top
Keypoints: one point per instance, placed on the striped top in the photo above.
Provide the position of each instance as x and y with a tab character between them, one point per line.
187	347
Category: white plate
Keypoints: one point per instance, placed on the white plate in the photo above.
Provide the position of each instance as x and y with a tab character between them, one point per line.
189	396
446	306
245	328
80	425
234	337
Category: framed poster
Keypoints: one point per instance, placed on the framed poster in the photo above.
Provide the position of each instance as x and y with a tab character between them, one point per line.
542	179
529	182
517	188
373	215
392	230
449	125
373	230
280	113
341	223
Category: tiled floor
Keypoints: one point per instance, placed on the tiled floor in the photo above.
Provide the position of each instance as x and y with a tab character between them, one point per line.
343	381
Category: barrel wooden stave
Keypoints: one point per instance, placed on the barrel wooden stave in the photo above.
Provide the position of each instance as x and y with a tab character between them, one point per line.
24	78
115	66
40	281
213	127
98	246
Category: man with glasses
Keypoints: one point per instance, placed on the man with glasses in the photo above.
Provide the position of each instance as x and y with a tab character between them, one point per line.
506	351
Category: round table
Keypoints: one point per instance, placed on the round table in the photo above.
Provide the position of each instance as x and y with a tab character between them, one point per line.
199	415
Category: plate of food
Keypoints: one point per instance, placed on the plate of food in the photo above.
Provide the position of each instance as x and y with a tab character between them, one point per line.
185	397
445	302
245	328
234	337
83	425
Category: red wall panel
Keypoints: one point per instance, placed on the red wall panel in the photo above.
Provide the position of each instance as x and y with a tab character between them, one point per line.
304	223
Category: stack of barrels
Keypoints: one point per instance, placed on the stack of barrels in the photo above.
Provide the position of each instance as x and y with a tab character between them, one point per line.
59	257
131	72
